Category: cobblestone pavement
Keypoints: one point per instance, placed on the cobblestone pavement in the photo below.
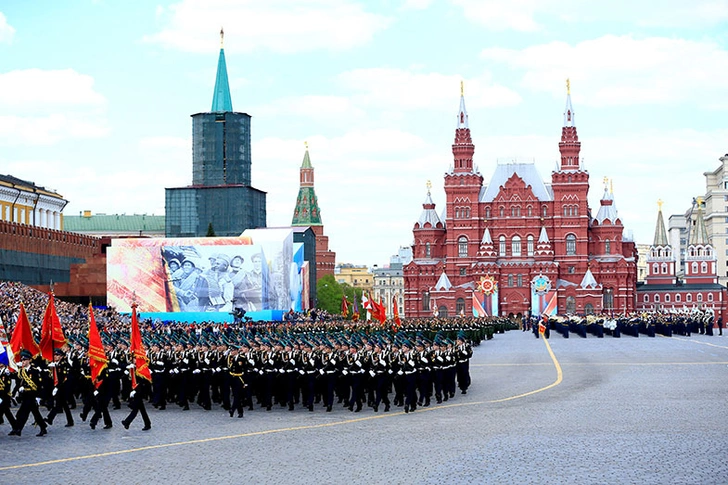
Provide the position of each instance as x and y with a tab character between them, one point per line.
630	410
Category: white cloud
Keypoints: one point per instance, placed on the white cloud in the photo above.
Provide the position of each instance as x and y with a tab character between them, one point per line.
286	26
312	106
39	88
6	30
42	107
534	15
416	4
402	89
613	70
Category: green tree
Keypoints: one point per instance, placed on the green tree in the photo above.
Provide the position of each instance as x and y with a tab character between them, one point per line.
328	294
210	231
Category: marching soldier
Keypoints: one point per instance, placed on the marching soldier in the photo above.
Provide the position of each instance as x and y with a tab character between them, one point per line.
60	369
6	381
28	388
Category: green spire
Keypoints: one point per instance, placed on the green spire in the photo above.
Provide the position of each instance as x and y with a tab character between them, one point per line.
699	234
307	212
221	101
660	234
306	160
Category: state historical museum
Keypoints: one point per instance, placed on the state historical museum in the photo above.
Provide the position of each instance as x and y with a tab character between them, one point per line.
519	245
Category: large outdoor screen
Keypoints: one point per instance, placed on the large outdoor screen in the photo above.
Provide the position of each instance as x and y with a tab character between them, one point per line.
255	272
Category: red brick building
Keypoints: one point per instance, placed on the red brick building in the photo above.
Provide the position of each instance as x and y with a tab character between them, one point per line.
535	239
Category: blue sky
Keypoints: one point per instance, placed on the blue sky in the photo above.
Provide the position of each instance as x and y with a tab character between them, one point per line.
96	98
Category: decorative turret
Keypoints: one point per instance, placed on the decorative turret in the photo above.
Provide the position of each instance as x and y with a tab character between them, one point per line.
543	246
569	146
660	233
660	260
429	231
487	248
307	212
428	216
700	260
607	210
221	101
463	148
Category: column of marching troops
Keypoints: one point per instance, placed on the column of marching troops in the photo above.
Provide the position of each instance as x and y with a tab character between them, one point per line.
239	368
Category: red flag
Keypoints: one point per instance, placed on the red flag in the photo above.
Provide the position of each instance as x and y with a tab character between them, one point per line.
141	361
378	310
22	338
97	359
51	333
395	310
344	306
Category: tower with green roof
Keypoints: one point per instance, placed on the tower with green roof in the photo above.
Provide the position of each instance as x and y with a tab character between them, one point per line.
221	194
307	214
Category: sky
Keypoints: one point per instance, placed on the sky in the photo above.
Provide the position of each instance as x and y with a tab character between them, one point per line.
96	98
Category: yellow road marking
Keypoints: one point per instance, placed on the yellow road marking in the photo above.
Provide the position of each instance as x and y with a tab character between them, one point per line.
559	378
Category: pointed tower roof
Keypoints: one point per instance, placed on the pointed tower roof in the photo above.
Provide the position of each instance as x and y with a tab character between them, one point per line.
588	280
568	111
607	209
443	283
486	237
428	214
699	234
660	233
462	112
543	237
307	212
221	101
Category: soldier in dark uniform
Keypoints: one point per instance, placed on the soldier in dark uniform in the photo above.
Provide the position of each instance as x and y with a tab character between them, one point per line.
355	369
102	397
60	369
136	401
408	369
328	370
28	390
463	353
6	380
236	368
378	370
308	369
158	367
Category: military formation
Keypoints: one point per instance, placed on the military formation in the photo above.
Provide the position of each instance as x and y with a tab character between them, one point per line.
301	364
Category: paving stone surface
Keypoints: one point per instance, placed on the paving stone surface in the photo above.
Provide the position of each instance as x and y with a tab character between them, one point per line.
630	410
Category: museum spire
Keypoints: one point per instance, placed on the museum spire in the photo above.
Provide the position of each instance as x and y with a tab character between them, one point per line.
221	101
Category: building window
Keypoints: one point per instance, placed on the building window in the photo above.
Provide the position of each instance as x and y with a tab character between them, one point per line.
487	212
529	245
608	299
657	298
570	304
646	299
589	309
694	267
428	250
677	298
516	246
710	297
519	280
700	297
462	247
510	280
426	301
571	245
502	211
502	246
571	270
462	271
460	306
544	211
689	297
608	247
703	267
664	268
529	211
667	298
655	268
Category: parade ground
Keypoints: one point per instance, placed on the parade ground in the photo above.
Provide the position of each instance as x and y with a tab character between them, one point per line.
559	411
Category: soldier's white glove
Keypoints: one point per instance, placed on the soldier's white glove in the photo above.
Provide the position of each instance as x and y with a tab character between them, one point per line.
21	389
55	391
321	371
260	372
345	372
126	372
196	371
186	361
96	393
51	364
399	373
159	362
281	371
218	369
130	366
358	363
251	361
1	400
207	361
301	372
132	394
37	401
114	361
372	373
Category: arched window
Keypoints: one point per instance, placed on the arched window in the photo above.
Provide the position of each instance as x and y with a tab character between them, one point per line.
516	246
667	297
428	250
703	267
589	309
502	211
570	304
694	267
510	280
519	280
689	297
700	297
462	247
655	268
502	246
544	211
487	212
608	299
607	247
664	268
529	211
457	213
646	298
656	298
529	245
426	301
460	306
710	297
570	245
677	298
566	210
